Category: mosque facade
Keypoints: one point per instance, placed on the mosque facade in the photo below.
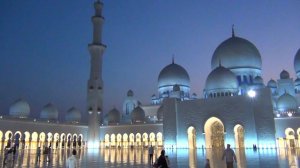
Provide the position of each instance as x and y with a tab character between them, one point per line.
236	107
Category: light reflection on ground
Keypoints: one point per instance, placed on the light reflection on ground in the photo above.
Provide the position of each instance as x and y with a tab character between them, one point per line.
138	157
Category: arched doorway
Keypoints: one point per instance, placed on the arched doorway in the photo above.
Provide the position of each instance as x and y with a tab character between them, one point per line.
69	140
191	137
80	140
145	139
131	140
138	140
119	140
56	140
63	140
125	140
112	140
152	139
74	143
239	136
17	138
290	137
159	138
8	138
214	133
106	140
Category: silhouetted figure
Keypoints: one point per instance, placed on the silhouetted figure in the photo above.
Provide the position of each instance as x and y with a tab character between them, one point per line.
38	154
162	161
151	151
6	154
230	156
207	165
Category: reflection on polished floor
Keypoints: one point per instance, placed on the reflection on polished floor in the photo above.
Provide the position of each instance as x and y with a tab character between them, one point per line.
138	157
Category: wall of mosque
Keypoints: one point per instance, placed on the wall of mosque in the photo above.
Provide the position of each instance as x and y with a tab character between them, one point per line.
264	117
254	115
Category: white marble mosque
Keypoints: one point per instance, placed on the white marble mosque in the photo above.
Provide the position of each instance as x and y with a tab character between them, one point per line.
236	107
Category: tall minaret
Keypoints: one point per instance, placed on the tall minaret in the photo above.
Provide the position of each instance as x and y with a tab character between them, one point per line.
95	83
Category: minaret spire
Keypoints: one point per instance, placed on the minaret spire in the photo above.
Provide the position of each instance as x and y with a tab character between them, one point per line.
95	83
232	30
173	59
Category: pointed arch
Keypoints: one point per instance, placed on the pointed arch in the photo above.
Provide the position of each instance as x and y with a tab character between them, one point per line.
191	131
290	137
239	136
159	138
214	133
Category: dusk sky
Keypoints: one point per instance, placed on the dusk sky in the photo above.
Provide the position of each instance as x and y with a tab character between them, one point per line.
44	55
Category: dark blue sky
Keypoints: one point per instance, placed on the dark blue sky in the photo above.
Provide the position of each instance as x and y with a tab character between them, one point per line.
44	56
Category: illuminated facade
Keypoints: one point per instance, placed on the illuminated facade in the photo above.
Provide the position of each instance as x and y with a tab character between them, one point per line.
236	108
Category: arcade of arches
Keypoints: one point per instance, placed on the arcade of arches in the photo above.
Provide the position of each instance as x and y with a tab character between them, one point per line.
132	140
33	140
214	134
291	139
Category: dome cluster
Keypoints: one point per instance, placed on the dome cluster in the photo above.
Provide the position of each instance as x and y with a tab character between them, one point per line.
21	109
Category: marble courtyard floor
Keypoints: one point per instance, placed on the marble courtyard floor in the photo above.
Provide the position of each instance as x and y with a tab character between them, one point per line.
138	157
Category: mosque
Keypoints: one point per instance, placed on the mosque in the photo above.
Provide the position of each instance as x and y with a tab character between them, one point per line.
236	107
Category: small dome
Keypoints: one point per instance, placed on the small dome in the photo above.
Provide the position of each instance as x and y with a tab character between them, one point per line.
221	80
73	115
20	109
258	80
287	102
173	74
113	116
138	115
49	112
272	84
236	52
284	74
297	63
160	115
176	88
130	93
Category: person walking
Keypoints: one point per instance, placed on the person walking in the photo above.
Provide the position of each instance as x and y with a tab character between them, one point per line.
72	161
230	156
151	151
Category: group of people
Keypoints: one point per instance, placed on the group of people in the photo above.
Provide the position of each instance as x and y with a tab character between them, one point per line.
163	161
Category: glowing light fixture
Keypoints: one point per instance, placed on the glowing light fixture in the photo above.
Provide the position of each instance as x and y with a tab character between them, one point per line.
251	93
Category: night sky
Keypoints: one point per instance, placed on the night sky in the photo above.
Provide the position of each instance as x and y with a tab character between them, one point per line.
44	55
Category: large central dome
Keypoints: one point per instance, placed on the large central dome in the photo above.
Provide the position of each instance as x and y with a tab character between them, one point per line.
235	53
173	74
